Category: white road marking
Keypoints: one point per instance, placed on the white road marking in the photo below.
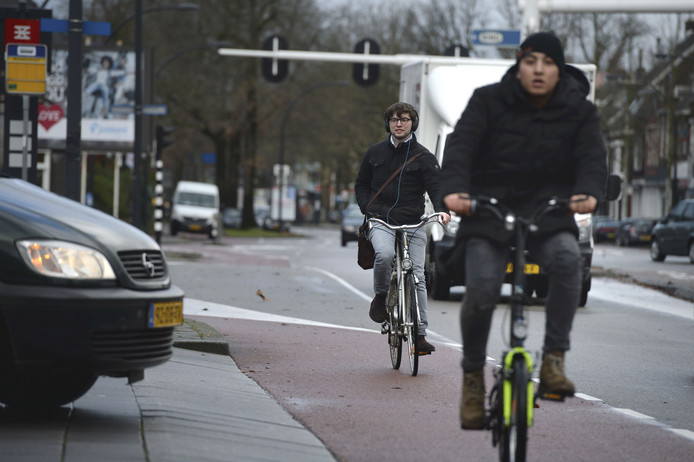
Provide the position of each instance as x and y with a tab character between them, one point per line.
342	282
635	296
631	413
195	307
588	397
683	432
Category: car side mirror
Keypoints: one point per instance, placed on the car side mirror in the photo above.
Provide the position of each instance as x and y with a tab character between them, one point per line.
613	189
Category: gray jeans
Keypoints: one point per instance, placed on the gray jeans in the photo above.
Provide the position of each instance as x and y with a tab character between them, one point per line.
383	241
485	264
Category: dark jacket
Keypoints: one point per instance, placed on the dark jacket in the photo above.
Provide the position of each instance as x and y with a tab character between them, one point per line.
505	147
402	201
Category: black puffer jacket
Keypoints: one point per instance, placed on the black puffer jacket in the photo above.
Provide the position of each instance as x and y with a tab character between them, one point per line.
402	201
505	147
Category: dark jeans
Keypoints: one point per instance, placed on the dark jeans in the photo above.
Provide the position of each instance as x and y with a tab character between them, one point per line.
485	265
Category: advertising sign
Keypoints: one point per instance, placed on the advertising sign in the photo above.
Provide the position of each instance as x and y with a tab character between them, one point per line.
108	82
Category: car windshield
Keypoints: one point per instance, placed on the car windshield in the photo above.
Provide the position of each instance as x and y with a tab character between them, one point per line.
198	200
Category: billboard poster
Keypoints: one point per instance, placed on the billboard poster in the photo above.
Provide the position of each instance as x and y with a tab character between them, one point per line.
108	91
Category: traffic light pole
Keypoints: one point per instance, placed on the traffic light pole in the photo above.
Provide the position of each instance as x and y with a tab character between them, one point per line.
73	142
283	127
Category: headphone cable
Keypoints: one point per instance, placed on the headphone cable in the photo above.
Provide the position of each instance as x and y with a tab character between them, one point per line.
397	199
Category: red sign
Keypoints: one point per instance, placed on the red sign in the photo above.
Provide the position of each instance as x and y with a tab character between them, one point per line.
22	30
50	115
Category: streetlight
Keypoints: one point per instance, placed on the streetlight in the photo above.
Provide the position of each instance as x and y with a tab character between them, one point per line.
671	186
151	9
137	148
283	126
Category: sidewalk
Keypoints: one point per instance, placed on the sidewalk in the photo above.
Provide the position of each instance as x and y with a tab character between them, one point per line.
200	406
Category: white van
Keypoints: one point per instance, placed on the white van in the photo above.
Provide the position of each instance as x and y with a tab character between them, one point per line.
195	208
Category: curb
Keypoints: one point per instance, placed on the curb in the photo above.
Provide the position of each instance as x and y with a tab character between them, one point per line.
198	336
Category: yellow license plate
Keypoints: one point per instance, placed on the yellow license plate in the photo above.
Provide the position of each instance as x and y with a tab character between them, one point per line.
195	227
530	268
165	314
645	238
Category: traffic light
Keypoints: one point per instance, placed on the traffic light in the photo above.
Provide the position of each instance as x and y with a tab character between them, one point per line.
458	50
163	138
366	74
275	70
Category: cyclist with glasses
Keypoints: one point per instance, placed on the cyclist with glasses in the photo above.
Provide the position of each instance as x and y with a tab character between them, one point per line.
524	140
401	202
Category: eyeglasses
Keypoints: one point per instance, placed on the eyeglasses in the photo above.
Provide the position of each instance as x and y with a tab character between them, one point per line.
395	120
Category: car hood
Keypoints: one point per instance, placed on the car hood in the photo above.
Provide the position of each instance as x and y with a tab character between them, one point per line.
32	212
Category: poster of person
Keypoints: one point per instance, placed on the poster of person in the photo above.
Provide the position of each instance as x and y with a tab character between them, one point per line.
108	96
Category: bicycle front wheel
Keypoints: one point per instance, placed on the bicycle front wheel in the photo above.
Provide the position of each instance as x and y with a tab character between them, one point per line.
514	434
394	338
411	323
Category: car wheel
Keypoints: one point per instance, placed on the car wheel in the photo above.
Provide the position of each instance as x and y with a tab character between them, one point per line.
44	389
584	297
440	287
38	389
691	252
541	287
656	253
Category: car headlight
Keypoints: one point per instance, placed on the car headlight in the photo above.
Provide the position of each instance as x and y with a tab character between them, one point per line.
584	222
67	260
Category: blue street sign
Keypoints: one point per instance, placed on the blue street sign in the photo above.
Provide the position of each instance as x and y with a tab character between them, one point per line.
496	38
88	27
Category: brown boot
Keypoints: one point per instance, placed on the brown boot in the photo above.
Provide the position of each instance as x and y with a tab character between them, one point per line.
377	312
472	402
553	382
425	348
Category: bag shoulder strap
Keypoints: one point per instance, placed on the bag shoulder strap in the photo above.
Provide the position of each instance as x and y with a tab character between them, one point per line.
395	173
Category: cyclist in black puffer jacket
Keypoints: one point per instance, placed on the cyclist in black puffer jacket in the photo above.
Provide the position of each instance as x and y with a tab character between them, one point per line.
530	137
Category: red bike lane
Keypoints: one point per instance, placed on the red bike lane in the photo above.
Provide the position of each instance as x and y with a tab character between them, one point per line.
339	383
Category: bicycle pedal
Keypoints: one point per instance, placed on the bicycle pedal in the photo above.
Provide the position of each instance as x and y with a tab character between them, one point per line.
548	396
385	328
424	353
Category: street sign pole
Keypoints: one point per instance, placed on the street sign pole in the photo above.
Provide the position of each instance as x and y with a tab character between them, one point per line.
25	71
25	137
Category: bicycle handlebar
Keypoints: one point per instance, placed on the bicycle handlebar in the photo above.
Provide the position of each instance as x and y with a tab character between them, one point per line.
434	217
506	215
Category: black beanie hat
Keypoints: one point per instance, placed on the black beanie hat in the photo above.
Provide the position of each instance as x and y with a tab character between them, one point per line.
543	42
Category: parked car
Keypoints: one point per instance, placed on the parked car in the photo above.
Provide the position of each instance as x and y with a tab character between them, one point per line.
634	231
195	208
352	219
231	218
674	234
264	219
83	294
604	228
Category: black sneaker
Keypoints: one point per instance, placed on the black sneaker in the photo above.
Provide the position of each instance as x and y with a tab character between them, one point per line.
377	312
425	348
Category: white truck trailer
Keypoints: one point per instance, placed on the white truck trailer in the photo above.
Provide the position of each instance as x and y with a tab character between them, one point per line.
439	89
